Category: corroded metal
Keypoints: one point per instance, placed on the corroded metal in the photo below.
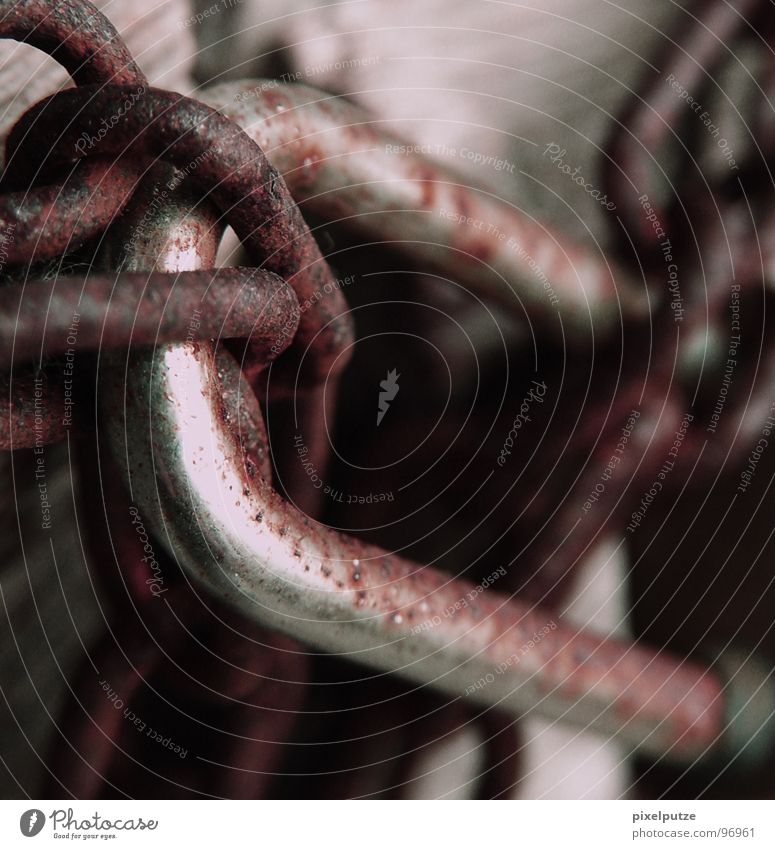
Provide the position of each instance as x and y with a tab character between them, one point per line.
44	318
76	34
33	411
188	432
45	222
168	643
253	550
233	173
343	167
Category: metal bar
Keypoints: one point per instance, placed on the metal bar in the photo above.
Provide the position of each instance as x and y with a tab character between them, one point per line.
113	310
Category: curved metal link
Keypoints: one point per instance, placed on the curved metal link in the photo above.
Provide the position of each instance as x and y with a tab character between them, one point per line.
344	168
232	172
205	489
249	547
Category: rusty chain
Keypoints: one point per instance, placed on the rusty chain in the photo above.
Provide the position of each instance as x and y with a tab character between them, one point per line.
182	439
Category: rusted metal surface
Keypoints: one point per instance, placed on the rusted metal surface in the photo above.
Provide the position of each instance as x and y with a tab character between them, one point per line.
233	173
46	222
243	416
33	411
187	433
44	318
219	692
76	34
214	155
342	167
259	554
703	241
